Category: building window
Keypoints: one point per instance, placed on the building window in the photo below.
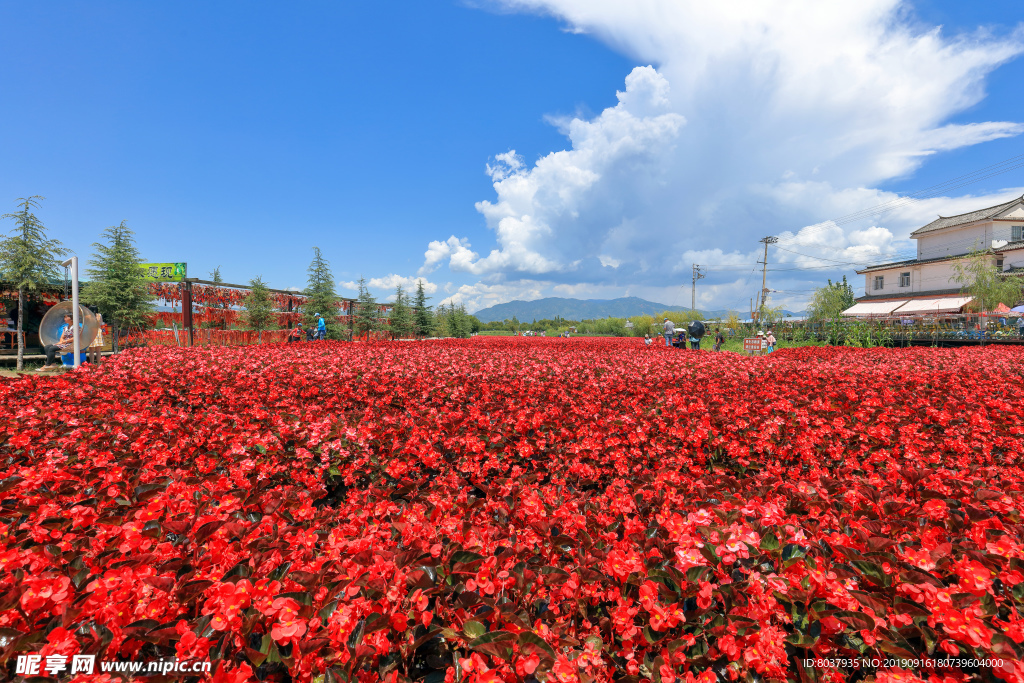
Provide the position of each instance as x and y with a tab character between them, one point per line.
1017	233
879	281
999	264
904	279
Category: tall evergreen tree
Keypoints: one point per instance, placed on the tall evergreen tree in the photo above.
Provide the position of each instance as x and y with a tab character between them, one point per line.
321	297
215	277
259	307
367	318
422	316
28	259
117	286
402	324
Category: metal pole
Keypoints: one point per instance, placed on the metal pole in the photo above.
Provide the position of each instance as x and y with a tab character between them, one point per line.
697	275
76	316
764	275
186	309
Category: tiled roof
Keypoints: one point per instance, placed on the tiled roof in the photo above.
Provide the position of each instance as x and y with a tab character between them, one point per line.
908	262
964	218
916	295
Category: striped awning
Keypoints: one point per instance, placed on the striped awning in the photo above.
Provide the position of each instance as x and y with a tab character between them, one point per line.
873	309
947	304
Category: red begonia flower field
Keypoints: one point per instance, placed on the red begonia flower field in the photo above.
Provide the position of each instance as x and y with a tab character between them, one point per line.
521	509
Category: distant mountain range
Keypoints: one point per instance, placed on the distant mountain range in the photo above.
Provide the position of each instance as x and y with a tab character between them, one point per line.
589	309
580	309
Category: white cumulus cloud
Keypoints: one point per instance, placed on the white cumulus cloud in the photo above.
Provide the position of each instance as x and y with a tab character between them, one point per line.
756	117
390	282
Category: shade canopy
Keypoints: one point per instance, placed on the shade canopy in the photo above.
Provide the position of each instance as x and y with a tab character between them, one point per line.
1001	308
948	304
870	309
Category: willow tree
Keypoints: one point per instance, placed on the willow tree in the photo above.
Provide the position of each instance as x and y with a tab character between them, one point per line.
984	282
29	260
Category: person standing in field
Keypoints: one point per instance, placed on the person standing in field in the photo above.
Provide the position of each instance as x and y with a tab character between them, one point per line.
1020	326
94	352
771	341
669	330
296	334
321	327
719	340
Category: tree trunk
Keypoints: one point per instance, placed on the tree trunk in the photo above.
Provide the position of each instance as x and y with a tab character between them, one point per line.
21	326
114	329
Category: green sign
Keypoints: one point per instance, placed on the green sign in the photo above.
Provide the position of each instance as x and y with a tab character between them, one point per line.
164	272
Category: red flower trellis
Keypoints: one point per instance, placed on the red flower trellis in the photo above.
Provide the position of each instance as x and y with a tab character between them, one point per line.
222	304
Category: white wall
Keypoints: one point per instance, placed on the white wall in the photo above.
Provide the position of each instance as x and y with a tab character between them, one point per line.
955	241
1013	259
924	278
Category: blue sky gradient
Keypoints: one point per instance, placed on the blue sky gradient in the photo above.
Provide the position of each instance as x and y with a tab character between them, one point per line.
242	134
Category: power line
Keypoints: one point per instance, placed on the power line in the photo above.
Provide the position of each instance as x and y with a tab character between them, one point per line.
697	275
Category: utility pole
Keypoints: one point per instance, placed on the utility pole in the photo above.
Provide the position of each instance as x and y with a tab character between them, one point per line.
697	275
764	275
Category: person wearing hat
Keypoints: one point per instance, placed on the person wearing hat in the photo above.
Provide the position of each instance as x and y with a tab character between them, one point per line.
321	327
296	334
669	330
771	341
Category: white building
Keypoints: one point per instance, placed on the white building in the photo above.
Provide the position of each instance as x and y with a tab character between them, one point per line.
926	284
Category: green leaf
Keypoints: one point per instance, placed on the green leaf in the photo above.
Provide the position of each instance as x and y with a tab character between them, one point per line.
872	571
769	542
801	640
530	642
327	610
793	551
495	643
697	574
473	629
855	620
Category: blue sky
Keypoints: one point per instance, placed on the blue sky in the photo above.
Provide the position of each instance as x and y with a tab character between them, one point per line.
242	134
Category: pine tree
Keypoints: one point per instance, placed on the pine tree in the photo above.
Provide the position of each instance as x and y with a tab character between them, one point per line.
402	325
366	314
424	319
321	297
259	307
117	286
216	278
28	260
463	323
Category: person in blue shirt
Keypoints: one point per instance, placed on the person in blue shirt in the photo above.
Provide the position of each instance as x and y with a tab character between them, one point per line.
321	327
